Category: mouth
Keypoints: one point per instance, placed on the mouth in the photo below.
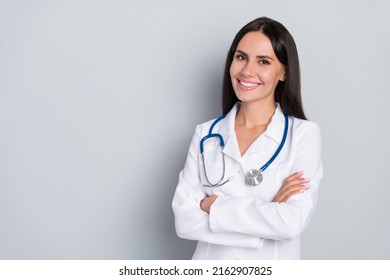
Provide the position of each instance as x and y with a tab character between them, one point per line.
247	85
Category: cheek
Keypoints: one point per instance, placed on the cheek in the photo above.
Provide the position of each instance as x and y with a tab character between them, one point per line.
232	75
269	77
232	71
235	69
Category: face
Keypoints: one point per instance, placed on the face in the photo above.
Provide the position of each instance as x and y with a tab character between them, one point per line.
255	70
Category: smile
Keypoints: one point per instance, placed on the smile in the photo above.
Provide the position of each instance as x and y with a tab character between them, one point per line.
247	85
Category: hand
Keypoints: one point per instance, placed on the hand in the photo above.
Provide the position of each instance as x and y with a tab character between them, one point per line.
292	185
206	203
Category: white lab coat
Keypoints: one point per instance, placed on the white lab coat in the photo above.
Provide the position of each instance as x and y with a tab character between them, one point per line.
243	222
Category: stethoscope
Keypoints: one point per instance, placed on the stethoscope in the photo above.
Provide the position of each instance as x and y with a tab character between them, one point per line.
254	176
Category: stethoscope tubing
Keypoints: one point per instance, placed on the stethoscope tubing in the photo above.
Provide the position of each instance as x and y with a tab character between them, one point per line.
222	144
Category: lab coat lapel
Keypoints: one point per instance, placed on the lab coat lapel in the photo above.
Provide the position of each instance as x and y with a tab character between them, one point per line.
274	132
275	129
231	148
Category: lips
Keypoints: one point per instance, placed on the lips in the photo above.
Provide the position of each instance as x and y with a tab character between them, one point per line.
248	85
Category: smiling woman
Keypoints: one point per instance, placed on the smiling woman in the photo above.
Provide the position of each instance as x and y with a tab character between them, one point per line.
255	70
244	192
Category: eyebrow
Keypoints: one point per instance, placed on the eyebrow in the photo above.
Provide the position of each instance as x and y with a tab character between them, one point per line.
259	56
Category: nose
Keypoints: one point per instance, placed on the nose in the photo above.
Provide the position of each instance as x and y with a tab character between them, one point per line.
248	70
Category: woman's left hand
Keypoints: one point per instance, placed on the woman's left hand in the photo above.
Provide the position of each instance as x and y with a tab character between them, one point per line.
206	203
292	185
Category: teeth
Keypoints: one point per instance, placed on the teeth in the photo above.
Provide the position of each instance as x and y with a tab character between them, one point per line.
248	84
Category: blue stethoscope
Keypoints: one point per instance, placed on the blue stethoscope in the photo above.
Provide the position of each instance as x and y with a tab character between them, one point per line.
254	176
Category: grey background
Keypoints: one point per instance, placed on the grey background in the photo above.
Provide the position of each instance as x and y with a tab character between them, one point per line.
99	101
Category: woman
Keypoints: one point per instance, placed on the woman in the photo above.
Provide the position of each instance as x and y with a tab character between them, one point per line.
250	182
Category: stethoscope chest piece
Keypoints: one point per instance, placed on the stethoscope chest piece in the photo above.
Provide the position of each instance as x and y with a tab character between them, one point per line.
253	177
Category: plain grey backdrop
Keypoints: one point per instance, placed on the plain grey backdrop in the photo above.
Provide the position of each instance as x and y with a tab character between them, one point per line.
99	101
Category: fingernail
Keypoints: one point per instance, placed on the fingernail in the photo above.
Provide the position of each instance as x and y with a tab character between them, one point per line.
304	189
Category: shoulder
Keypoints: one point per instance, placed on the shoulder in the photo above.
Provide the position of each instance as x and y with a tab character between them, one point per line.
203	128
223	124
206	124
305	131
299	125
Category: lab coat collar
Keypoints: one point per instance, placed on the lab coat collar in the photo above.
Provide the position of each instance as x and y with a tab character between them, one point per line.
228	133
274	130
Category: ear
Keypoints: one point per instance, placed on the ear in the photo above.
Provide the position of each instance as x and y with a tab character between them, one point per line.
283	77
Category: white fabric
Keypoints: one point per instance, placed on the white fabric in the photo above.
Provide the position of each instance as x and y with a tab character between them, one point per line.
243	222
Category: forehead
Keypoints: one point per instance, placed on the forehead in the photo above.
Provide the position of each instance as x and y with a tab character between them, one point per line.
256	43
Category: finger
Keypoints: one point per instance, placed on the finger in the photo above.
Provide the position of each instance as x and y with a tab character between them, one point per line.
294	176
283	194
291	192
294	186
287	197
294	182
294	191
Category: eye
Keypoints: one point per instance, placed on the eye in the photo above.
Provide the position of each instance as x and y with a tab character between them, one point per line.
240	57
263	62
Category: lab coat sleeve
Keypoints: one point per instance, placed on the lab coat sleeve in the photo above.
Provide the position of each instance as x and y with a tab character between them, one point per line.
191	221
273	220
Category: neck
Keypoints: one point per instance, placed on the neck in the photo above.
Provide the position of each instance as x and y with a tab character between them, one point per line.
251	115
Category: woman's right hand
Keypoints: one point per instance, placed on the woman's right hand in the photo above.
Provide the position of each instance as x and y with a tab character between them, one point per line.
292	185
